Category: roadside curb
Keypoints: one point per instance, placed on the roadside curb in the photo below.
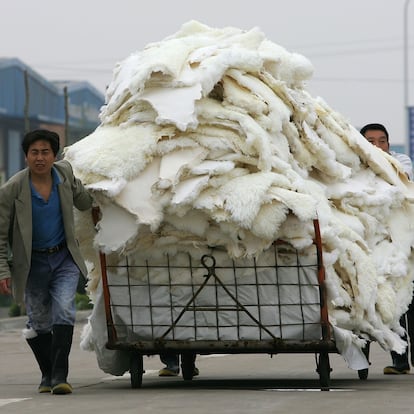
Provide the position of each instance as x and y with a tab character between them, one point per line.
19	322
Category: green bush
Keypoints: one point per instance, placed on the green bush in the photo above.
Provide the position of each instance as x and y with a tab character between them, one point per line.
5	300
82	302
15	310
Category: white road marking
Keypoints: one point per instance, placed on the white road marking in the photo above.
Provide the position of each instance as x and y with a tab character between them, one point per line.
147	372
5	401
307	389
116	377
214	355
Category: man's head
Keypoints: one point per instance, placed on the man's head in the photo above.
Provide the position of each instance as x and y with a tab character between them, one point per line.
41	134
377	135
40	147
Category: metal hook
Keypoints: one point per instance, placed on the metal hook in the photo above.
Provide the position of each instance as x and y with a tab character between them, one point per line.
211	268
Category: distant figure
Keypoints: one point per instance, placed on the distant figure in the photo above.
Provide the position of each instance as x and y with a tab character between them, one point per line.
37	228
377	135
172	365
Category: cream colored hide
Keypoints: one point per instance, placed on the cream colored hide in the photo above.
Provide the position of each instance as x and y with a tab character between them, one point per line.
209	137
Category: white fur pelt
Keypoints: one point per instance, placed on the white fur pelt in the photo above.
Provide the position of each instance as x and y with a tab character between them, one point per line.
209	137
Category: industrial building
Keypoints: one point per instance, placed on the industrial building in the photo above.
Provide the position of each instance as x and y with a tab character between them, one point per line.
28	101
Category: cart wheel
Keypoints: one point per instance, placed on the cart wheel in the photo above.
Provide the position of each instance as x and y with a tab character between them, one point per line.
363	373
187	366
324	370
136	369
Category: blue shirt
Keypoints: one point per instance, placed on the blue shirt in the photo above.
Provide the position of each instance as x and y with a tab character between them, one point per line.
47	220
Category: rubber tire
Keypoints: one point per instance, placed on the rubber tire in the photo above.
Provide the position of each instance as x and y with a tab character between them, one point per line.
363	373
187	366
324	370
136	369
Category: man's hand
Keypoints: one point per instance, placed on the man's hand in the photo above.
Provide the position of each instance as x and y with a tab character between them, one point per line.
5	286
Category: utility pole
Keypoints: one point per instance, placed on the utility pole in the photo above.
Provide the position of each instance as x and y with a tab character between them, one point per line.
66	100
407	118
26	102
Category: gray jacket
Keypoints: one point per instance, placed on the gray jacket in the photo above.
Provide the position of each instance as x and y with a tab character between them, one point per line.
16	223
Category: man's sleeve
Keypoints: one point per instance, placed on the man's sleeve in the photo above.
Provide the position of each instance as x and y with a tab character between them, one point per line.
405	161
5	218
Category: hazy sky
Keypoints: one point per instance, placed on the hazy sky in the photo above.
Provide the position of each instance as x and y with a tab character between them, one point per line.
356	46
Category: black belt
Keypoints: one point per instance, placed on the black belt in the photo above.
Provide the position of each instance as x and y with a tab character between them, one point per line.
51	250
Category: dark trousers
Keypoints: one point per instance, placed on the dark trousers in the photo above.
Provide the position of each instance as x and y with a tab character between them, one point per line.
170	359
407	322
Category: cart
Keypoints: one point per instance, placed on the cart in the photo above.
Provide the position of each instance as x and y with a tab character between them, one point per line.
234	307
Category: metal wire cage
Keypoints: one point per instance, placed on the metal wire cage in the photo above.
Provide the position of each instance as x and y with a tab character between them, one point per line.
181	298
275	297
274	303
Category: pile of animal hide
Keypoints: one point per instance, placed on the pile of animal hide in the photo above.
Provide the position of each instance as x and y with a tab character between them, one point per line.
209	138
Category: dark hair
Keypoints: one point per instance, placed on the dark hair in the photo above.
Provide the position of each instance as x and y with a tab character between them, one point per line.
41	134
374	127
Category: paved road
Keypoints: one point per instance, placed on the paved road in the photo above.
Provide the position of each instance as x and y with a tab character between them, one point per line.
238	384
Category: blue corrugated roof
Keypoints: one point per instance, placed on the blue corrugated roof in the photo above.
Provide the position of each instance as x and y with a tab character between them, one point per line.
46	100
17	63
78	85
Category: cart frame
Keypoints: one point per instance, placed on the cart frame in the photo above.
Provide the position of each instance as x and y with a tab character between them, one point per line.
189	348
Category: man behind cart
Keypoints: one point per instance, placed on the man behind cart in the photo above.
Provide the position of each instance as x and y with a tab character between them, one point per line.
377	135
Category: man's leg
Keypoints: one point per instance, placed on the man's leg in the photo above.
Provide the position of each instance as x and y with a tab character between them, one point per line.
63	287
41	345
38	308
172	364
410	329
400	363
61	345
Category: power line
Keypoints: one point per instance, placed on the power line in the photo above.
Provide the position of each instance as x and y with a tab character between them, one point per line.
364	80
357	42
